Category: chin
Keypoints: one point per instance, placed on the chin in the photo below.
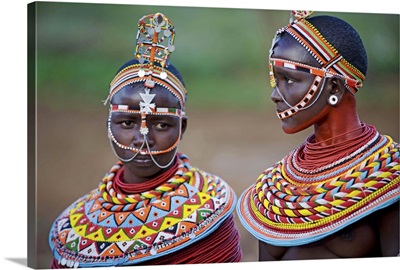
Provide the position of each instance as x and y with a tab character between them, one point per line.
289	127
289	131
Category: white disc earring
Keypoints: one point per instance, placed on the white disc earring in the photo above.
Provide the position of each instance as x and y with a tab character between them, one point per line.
333	100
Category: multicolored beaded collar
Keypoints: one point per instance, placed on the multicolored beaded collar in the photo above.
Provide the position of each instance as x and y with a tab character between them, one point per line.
292	204
110	228
154	44
332	63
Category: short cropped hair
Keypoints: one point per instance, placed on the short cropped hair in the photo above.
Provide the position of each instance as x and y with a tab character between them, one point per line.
344	38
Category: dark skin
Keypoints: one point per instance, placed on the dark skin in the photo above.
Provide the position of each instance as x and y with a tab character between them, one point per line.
163	132
373	236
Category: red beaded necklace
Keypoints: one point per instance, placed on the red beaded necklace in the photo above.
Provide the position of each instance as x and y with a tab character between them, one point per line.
124	188
312	154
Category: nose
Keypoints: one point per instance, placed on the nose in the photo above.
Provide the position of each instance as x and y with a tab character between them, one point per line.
275	97
139	139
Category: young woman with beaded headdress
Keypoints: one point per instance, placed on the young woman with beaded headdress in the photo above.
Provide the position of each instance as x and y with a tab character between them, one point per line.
336	195
153	206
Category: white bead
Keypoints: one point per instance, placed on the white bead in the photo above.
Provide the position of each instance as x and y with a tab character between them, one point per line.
141	73
153	251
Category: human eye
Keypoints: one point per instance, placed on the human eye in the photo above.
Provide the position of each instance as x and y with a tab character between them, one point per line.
161	126
127	124
285	77
289	80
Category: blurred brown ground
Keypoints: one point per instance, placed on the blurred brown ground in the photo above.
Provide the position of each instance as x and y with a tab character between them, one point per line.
74	154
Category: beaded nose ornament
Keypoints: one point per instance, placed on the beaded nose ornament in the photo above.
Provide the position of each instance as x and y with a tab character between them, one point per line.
154	44
333	64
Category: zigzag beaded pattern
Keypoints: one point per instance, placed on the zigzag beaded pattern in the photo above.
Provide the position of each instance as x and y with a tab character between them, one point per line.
189	206
361	157
282	210
282	202
112	201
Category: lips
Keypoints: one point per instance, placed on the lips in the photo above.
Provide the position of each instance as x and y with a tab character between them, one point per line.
142	159
280	107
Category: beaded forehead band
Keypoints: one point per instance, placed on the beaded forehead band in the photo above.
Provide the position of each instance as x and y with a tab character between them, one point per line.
154	44
333	64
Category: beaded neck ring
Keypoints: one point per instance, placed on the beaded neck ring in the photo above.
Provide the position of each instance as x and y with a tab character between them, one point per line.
333	64
154	44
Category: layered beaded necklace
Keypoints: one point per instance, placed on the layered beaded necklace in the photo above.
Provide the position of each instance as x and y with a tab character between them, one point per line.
316	190
114	225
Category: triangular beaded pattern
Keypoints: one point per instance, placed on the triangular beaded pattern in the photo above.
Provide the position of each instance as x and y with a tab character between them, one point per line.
105	228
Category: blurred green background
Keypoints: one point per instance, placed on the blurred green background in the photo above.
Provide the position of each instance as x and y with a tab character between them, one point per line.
222	55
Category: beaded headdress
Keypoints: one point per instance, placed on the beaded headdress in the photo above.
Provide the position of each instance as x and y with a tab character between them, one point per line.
333	64
154	45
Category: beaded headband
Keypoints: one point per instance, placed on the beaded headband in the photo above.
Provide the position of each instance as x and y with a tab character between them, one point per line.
142	73
311	39
154	44
333	64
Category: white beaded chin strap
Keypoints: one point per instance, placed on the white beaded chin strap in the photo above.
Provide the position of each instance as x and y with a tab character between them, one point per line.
131	75
154	44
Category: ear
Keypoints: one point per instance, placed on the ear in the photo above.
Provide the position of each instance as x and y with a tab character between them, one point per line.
336	89
184	125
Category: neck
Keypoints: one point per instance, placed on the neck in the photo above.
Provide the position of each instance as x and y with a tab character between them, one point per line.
141	175
126	187
342	125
